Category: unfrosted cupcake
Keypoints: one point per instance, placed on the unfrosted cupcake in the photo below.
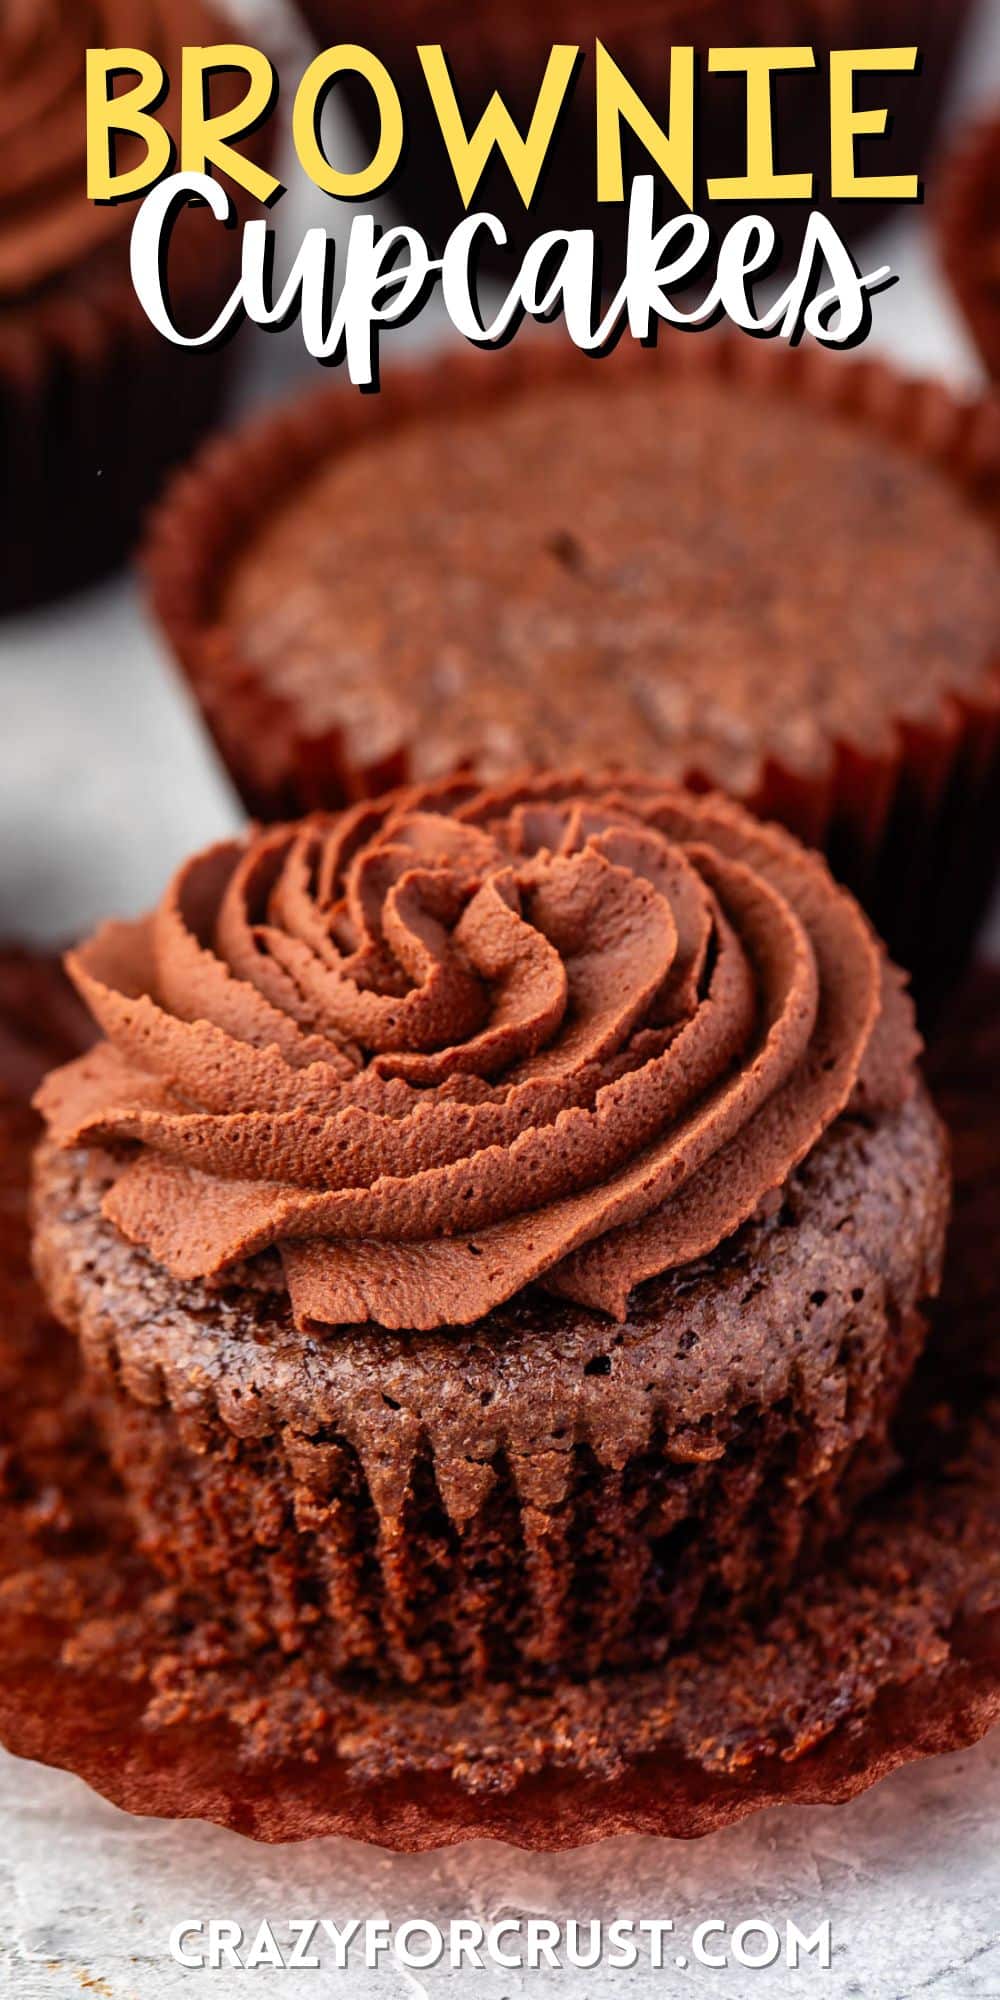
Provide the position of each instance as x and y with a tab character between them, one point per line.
496	1223
769	572
94	404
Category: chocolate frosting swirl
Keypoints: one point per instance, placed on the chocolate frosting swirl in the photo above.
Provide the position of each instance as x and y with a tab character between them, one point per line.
458	1041
47	225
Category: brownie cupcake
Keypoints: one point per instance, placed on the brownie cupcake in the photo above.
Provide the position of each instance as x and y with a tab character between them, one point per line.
969	228
94	404
506	49
496	1223
726	564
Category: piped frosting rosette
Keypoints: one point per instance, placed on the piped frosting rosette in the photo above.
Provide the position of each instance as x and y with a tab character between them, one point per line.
458	1042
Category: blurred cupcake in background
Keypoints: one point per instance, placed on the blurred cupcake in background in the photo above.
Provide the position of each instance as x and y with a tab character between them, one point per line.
506	48
724	563
969	226
94	404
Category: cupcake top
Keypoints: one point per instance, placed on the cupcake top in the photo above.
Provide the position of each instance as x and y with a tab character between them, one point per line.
48	228
460	1041
683	571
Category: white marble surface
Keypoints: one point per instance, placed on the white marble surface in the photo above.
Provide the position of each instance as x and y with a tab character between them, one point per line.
908	1875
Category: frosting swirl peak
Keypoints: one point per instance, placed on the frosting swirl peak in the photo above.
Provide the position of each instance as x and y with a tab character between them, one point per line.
458	1041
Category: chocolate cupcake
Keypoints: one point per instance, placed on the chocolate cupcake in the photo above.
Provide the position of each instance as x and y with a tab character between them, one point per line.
496	1223
969	231
728	565
94	404
888	1651
506	49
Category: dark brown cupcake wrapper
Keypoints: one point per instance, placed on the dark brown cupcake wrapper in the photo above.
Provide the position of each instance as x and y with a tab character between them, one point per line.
968	204
892	1653
906	823
92	420
377	1557
96	407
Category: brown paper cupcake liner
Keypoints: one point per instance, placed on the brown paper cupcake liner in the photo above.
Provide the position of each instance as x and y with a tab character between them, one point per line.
506	49
93	416
968	220
364	1537
96	406
890	1652
910	824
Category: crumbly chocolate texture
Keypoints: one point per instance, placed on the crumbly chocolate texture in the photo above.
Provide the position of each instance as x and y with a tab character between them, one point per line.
546	1490
891	1651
